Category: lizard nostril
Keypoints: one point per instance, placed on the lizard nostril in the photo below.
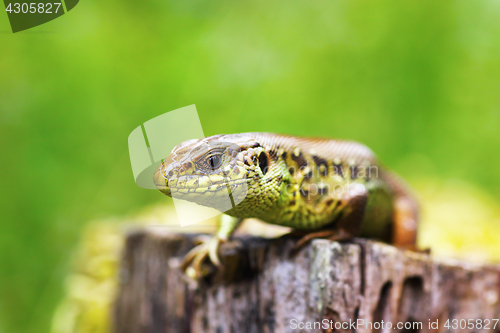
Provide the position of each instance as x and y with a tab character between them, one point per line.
170	174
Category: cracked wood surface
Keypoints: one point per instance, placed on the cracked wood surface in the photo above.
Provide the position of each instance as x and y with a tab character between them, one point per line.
264	287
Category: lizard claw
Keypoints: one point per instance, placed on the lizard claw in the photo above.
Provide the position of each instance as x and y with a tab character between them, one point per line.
194	259
201	239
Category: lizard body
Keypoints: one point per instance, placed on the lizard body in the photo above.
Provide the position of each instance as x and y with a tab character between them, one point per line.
330	188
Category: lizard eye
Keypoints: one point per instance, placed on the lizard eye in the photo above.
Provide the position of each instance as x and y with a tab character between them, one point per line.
214	161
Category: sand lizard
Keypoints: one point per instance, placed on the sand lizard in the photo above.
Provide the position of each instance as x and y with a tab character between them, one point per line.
330	188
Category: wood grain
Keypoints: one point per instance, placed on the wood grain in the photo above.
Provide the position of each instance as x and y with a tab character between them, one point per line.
265	287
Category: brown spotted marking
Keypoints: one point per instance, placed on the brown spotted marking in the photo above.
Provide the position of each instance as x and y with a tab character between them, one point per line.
338	167
322	165
367	173
273	155
299	158
354	171
323	189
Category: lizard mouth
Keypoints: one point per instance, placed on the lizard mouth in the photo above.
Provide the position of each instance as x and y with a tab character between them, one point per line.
161	182
207	190
181	191
221	196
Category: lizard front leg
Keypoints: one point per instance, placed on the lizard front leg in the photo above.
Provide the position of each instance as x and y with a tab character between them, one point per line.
350	217
209	247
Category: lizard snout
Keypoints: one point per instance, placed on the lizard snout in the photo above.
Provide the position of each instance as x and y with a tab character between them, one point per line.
160	181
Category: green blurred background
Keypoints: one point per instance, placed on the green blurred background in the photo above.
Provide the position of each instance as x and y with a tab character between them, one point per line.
419	82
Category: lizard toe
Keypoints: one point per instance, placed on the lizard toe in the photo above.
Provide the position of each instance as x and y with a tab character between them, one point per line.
194	260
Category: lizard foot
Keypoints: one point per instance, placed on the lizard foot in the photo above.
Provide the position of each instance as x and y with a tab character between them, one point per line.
335	235
208	248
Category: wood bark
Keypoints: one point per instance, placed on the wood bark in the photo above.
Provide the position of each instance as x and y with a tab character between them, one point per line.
265	287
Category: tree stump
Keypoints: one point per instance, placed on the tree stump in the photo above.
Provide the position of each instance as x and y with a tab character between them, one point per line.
327	286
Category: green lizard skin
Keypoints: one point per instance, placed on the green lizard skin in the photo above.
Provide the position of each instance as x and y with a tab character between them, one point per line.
302	183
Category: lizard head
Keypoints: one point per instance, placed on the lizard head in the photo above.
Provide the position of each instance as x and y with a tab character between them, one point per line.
221	170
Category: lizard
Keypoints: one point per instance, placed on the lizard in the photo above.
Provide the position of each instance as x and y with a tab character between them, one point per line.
322	188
